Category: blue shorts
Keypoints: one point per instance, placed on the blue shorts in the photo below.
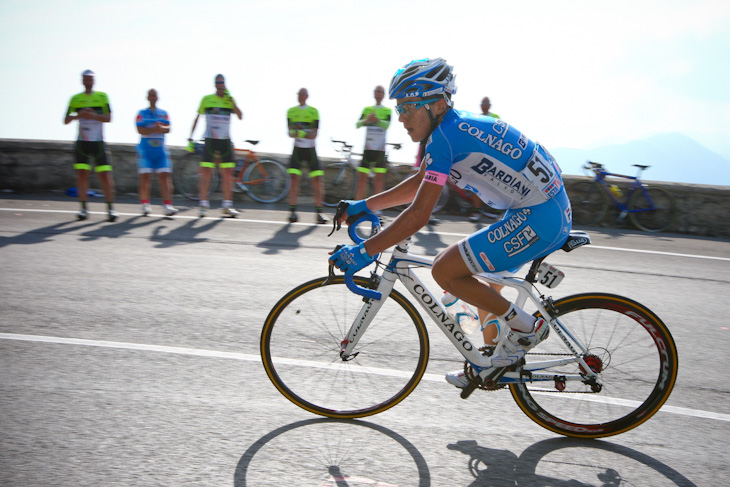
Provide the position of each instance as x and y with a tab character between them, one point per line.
522	235
153	159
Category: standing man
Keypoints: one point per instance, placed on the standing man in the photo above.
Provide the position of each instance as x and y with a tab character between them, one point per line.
217	109
303	123
486	106
152	155
377	119
91	109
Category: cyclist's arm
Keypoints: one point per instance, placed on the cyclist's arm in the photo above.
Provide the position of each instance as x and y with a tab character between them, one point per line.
69	118
410	220
195	124
400	194
237	110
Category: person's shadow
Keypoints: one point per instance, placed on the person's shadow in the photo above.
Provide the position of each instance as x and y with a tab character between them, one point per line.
45	234
285	238
430	241
118	229
183	234
493	467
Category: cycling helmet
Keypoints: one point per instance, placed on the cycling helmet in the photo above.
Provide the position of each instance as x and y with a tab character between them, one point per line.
423	78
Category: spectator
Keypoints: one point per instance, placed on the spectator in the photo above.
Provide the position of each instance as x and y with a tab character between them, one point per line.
486	106
91	108
152	155
217	109
303	123
376	119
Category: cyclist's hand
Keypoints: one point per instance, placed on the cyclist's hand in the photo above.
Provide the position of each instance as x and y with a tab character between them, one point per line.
355	210
351	258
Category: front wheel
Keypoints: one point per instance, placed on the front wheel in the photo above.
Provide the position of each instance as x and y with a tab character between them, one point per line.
300	350
339	183
186	176
652	209
589	203
628	346
266	181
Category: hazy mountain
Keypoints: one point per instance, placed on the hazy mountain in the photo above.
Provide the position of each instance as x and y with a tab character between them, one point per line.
672	157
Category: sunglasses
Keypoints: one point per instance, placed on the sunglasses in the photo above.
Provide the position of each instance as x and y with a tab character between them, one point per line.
220	82
403	108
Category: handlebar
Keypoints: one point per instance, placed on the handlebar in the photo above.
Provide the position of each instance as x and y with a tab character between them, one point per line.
352	222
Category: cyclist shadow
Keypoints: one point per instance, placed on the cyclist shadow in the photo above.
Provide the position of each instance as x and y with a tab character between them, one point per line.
343	451
45	234
116	230
285	238
183	234
493	467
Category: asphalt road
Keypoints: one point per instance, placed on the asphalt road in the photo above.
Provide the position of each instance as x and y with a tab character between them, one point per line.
129	356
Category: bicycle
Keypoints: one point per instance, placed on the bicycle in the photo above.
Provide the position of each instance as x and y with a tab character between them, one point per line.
340	179
649	208
264	180
609	365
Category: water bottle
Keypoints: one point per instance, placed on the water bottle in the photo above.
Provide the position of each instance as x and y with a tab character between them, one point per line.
461	312
616	191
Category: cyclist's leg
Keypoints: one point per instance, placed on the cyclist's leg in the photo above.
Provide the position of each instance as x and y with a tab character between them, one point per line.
521	236
226	167
295	174
83	170
380	170
363	174
144	169
164	173
104	172
316	171
207	165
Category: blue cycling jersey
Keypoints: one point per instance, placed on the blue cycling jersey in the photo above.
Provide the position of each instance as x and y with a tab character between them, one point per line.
148	118
492	159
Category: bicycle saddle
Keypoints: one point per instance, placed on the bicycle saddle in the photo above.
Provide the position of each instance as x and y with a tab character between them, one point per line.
576	239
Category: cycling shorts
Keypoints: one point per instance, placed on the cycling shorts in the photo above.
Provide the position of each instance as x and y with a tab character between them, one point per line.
87	151
522	235
302	155
222	148
370	157
153	159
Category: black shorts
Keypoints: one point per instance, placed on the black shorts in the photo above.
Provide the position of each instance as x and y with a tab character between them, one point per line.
223	147
87	151
370	157
303	155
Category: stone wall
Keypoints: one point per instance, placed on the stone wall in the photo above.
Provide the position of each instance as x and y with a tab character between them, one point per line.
34	166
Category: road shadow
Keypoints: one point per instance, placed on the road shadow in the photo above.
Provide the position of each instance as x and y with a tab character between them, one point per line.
571	462
326	451
45	234
117	229
429	240
189	233
286	238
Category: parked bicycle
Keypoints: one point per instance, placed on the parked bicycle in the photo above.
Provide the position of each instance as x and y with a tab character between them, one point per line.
649	208
340	177
264	180
352	346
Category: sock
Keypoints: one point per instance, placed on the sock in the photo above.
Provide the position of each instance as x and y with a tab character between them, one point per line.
204	203
518	320
109	205
227	203
319	209
145	202
292	208
167	203
83	205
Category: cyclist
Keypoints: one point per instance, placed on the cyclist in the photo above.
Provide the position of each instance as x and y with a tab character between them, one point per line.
303	123
495	161
217	109
376	119
152	155
91	108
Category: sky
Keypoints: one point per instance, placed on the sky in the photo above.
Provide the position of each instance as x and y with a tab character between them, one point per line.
571	74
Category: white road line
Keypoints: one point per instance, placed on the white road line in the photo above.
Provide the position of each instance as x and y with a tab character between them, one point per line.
276	222
695	413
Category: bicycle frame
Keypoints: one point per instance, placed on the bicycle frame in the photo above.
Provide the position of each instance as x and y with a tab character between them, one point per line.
636	184
401	267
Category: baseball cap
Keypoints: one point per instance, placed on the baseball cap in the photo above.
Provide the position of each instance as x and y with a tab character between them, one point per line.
88	72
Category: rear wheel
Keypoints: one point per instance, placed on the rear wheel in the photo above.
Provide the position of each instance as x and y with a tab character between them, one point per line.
186	177
266	181
628	346
652	209
589	203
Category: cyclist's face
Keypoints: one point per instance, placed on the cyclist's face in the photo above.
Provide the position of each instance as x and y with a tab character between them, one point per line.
220	86
379	94
152	97
302	96
88	82
415	119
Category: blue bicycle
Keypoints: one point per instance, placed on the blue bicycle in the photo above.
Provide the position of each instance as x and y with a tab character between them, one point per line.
649	208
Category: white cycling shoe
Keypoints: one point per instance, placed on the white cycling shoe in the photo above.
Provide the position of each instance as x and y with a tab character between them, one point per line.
513	347
457	378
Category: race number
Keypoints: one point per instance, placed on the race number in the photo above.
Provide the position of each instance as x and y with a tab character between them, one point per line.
549	276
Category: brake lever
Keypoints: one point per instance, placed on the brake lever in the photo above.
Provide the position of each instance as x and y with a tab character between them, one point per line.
341	210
